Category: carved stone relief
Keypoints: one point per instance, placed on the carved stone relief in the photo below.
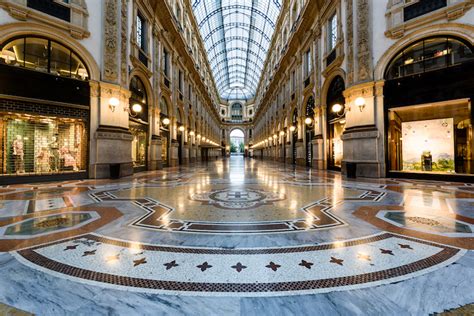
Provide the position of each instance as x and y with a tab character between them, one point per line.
364	58
123	44
110	41
350	42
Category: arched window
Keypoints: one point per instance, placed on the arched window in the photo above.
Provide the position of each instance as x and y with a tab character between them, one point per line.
45	55
236	112
164	107
429	54
137	88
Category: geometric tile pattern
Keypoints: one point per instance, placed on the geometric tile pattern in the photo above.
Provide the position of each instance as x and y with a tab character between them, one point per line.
159	216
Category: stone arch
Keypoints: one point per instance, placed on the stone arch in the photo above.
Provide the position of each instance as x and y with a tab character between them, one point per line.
148	89
328	81
461	31
13	30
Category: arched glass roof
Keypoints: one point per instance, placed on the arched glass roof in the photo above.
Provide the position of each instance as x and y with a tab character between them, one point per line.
237	36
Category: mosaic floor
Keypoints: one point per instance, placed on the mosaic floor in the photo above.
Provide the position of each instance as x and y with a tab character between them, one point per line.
237	237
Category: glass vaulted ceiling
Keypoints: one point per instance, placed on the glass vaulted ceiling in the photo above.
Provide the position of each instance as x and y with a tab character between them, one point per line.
237	35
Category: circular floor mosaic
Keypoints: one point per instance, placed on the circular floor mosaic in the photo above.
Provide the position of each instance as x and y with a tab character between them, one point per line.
238	199
370	261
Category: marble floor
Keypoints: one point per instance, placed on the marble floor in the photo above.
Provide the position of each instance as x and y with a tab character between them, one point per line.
237	237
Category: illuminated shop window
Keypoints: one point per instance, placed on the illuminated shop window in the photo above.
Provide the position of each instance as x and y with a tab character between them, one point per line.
435	138
43	55
428	55
34	144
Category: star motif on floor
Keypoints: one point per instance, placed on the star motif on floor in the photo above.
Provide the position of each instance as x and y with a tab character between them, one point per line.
363	256
139	261
272	265
171	264
403	246
386	252
89	253
306	264
337	261
70	247
204	266
239	267
112	258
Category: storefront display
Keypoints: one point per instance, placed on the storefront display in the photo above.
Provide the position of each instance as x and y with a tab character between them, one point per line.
336	128
34	144
434	138
164	147
139	144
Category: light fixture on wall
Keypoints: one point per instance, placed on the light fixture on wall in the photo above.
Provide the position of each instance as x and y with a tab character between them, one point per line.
191	133
340	110
166	121
113	103
198	136
275	136
292	128
336	108
181	128
136	108
282	133
360	102
308	121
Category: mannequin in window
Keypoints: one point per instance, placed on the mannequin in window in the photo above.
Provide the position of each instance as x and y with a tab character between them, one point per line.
69	160
43	160
54	157
141	153
18	154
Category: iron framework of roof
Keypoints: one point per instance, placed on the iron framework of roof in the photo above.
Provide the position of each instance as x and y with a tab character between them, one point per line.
237	35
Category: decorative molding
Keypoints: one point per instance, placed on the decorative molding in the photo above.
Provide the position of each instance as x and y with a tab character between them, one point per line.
77	27
111	41
397	27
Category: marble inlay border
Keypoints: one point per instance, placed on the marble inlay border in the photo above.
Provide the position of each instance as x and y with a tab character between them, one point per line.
425	257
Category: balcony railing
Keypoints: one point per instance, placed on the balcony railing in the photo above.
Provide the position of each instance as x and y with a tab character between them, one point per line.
422	7
52	8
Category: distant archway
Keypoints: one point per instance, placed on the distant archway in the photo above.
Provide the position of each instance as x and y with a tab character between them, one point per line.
237	142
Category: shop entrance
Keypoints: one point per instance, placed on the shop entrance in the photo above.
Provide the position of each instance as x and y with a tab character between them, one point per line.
294	135
428	97
336	123
138	125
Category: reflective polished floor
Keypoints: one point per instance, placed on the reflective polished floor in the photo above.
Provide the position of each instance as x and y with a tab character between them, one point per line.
237	237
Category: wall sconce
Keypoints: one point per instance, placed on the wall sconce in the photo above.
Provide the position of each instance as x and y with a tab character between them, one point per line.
136	108
337	109
282	133
275	136
191	133
113	103
360	102
308	121
166	121
292	128
181	128
227	148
